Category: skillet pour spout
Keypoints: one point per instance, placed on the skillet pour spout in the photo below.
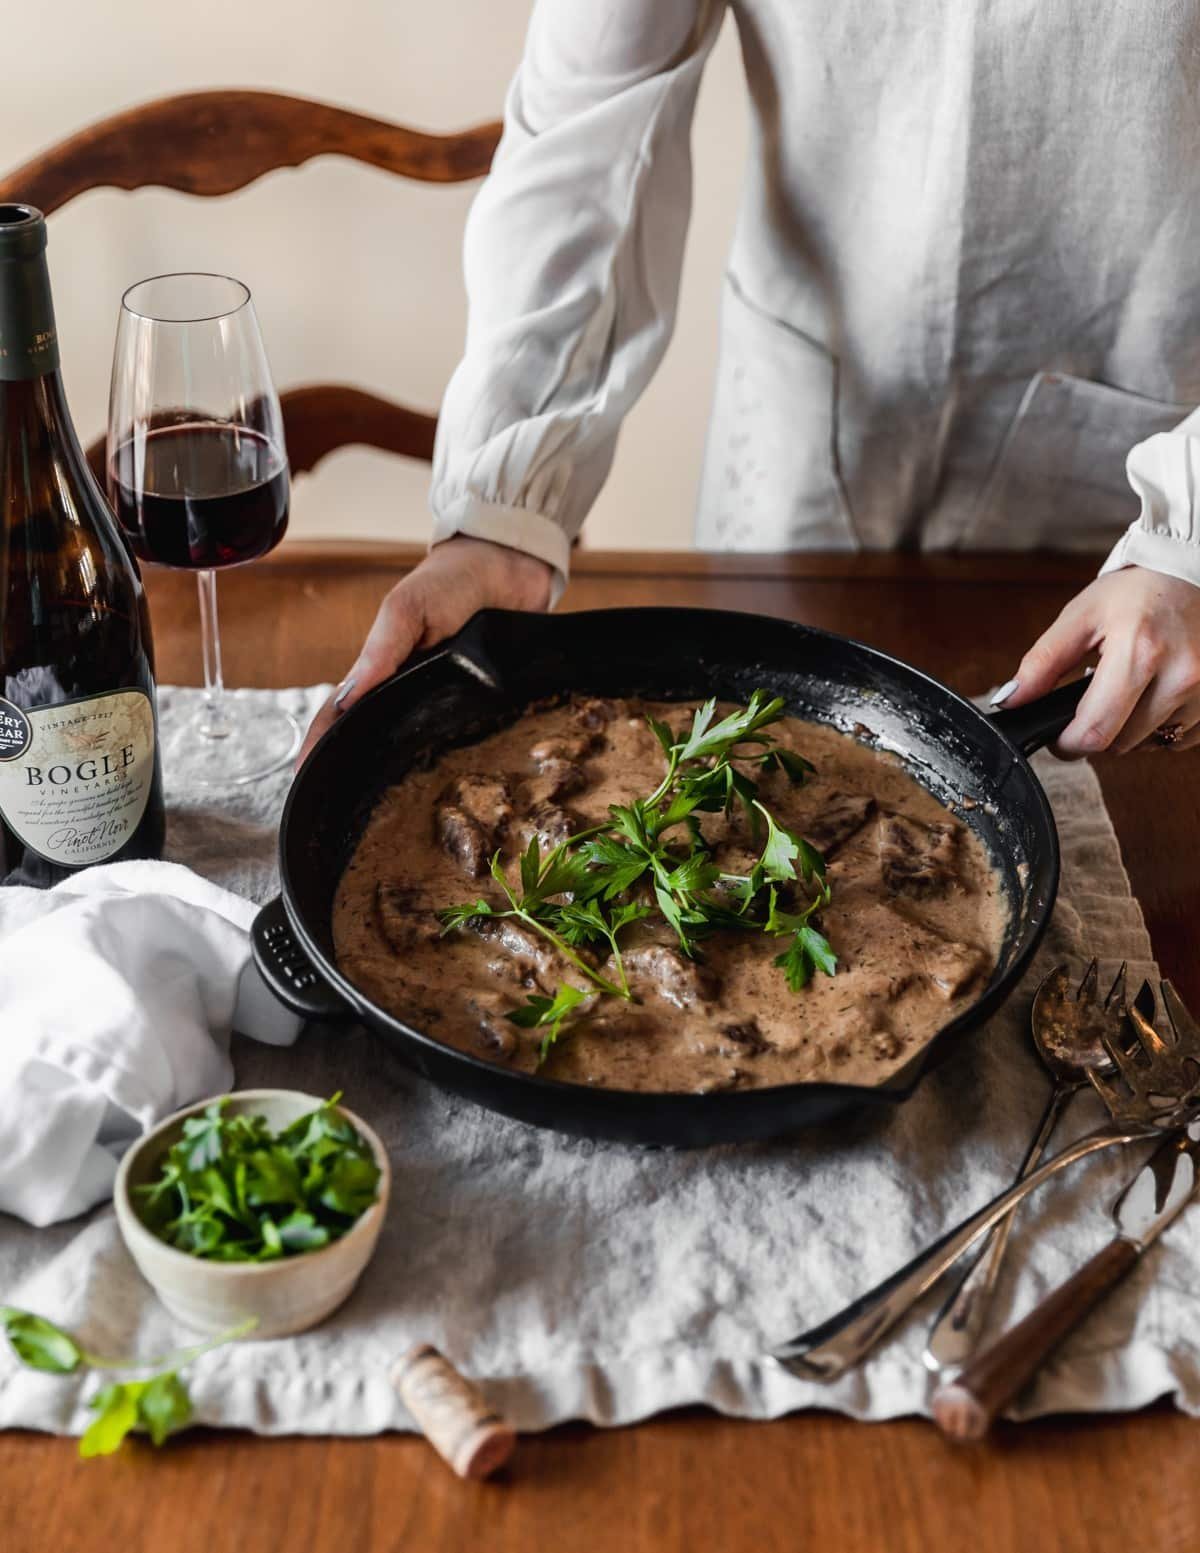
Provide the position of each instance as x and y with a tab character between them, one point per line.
483	678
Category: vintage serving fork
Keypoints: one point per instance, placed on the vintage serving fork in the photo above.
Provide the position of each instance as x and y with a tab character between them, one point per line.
1161	1092
1162	1076
1067	1025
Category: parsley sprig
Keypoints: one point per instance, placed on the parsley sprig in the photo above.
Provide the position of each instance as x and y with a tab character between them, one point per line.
589	888
157	1406
567	924
540	1012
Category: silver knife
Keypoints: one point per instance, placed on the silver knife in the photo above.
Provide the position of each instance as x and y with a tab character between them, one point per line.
1147	1205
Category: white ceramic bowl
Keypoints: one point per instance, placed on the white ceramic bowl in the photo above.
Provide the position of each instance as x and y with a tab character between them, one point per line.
285	1296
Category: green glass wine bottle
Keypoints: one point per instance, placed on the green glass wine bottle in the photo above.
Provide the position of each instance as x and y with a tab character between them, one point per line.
80	773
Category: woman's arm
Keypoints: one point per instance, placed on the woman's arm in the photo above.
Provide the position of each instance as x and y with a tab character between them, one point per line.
1142	614
572	259
573	254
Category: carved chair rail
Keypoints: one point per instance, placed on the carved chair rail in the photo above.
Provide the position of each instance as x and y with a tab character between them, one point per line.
212	143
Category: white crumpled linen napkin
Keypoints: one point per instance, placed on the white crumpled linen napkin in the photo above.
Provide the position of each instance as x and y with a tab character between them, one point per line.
119	990
587	1280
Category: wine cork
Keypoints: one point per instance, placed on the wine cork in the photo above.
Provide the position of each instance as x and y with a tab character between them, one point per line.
451	1414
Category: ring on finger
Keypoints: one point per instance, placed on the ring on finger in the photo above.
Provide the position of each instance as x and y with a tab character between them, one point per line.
1168	734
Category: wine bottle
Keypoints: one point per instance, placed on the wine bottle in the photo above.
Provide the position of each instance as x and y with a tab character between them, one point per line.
80	772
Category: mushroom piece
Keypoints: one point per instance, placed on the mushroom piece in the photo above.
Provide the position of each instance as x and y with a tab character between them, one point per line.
469	817
405	918
839	818
566	747
952	966
592	713
555	780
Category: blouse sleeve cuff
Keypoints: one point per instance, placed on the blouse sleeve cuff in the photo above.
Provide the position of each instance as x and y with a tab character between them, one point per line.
1164	472
1157	552
519	528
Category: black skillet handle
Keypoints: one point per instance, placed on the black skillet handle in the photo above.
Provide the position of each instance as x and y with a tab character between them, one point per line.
288	971
470	648
1039	722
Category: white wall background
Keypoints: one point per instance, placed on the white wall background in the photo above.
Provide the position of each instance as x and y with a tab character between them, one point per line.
356	274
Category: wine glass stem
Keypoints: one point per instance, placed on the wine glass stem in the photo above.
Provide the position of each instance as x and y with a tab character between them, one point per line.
215	724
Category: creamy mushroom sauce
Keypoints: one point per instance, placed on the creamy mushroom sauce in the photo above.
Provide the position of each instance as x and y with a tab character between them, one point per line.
917	915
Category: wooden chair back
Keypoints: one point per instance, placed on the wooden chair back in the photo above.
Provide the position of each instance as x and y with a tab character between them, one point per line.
211	143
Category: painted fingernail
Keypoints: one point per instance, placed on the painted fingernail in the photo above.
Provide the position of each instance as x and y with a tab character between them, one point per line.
1005	691
344	690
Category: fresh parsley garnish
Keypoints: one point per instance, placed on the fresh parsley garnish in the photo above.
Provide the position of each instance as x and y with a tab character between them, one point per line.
809	950
541	1012
585	891
158	1406
231	1190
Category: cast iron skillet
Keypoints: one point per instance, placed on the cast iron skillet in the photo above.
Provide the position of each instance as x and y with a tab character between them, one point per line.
501	661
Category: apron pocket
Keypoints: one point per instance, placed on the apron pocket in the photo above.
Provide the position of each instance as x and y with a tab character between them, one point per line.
1059	480
770	478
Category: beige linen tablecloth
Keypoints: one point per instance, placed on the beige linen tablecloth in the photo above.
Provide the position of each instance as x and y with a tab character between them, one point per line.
581	1279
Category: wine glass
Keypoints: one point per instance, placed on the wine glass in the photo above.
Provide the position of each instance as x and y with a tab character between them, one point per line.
198	476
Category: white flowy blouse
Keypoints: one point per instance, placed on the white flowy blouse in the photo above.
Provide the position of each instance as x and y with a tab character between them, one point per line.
963	294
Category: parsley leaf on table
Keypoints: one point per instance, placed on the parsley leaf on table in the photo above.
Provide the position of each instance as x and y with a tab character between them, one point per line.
159	1405
38	1343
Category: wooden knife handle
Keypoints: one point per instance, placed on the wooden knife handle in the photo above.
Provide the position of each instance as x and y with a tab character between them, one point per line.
965	1407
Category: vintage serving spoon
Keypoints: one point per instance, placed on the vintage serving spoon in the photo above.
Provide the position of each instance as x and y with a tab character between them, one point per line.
1068	1030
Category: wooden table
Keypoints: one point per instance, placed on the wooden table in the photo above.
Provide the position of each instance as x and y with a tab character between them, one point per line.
691	1480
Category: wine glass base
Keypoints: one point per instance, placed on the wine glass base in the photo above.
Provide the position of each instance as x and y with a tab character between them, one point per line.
254	741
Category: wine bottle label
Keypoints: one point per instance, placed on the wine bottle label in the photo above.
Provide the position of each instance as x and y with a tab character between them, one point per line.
75	778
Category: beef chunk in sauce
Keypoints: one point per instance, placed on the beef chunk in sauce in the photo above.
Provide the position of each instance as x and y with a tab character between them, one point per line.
463	838
840	816
551	825
495	1036
487	799
672	975
746	1037
528	959
917	860
405	918
470	817
741	1041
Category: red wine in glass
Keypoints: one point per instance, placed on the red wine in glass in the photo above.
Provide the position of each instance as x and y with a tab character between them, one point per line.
200	494
198	476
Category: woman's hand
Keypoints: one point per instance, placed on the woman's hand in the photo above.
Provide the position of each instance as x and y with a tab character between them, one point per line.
1147	629
455	579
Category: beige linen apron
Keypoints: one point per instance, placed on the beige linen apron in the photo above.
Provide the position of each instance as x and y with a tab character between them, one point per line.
966	274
